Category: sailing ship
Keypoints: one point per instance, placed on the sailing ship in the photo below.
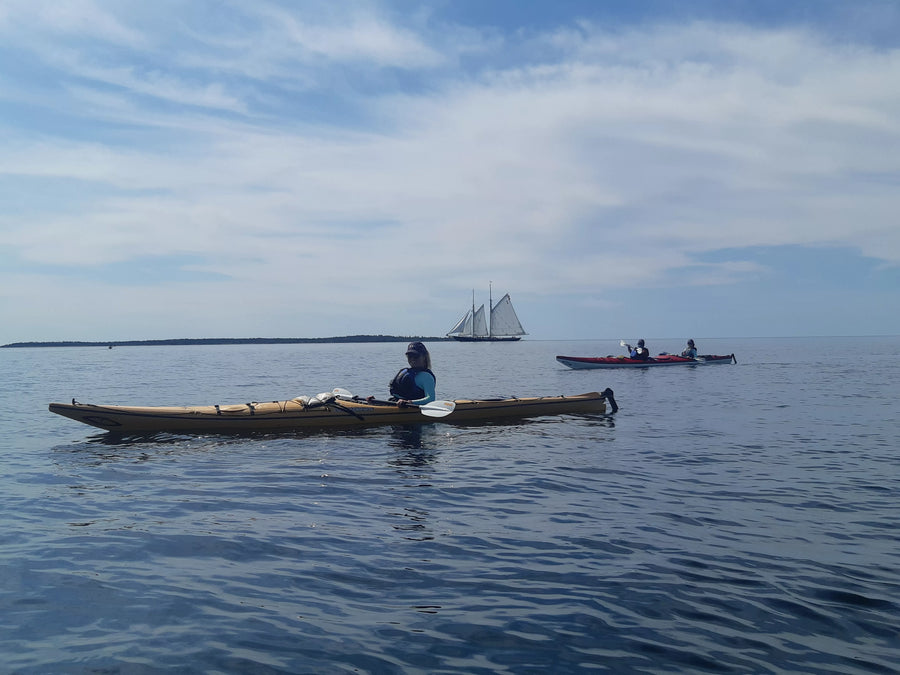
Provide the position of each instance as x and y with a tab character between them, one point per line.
501	326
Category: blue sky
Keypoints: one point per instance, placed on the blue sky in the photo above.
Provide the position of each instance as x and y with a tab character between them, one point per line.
307	169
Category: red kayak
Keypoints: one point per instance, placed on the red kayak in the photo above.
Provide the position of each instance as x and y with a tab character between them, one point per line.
582	362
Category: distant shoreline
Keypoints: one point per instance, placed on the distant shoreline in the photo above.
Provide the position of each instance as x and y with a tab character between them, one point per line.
226	341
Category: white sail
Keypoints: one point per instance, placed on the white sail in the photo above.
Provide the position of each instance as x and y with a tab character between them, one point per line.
463	326
481	329
504	321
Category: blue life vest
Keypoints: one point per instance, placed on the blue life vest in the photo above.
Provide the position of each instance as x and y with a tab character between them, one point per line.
404	384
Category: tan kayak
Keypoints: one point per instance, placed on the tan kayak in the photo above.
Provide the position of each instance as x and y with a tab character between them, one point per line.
325	410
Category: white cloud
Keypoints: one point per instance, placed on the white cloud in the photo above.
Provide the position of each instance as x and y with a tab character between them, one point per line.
362	36
613	163
26	20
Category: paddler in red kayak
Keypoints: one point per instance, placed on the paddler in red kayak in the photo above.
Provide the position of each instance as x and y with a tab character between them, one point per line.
691	351
639	353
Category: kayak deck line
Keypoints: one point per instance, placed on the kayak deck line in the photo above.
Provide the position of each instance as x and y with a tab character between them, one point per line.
314	412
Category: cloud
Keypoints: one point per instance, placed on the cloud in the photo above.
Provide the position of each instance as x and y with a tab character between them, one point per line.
23	21
610	159
361	36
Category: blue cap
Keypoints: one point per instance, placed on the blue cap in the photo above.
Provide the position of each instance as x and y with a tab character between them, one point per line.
416	348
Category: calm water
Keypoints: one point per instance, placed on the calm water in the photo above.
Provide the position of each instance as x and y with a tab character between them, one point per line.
729	519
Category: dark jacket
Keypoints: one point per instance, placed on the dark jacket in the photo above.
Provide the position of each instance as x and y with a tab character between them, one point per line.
404	384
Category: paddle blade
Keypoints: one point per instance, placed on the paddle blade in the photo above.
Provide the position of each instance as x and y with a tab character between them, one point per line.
622	343
438	408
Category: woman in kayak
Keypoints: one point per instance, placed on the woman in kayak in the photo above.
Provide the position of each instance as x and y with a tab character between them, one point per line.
414	385
691	351
640	352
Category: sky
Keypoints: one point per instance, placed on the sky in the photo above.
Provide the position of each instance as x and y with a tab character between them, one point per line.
276	168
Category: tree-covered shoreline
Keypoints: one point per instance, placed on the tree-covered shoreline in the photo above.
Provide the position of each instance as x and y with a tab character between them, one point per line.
225	341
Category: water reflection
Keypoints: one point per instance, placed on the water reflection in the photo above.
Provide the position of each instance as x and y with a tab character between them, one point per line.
413	462
104	447
407	437
414	452
415	527
111	446
112	438
604	421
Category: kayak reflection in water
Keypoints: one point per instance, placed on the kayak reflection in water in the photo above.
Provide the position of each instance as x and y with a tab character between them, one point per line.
691	351
640	352
414	385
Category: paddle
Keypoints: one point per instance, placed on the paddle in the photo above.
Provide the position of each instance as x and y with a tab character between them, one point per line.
437	408
627	346
328	399
433	409
608	395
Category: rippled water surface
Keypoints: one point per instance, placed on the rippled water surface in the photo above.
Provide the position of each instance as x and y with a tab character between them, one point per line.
739	518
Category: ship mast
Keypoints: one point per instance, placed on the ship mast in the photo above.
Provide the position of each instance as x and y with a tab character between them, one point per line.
490	310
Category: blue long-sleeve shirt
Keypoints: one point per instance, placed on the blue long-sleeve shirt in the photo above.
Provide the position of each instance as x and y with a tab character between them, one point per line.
425	381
